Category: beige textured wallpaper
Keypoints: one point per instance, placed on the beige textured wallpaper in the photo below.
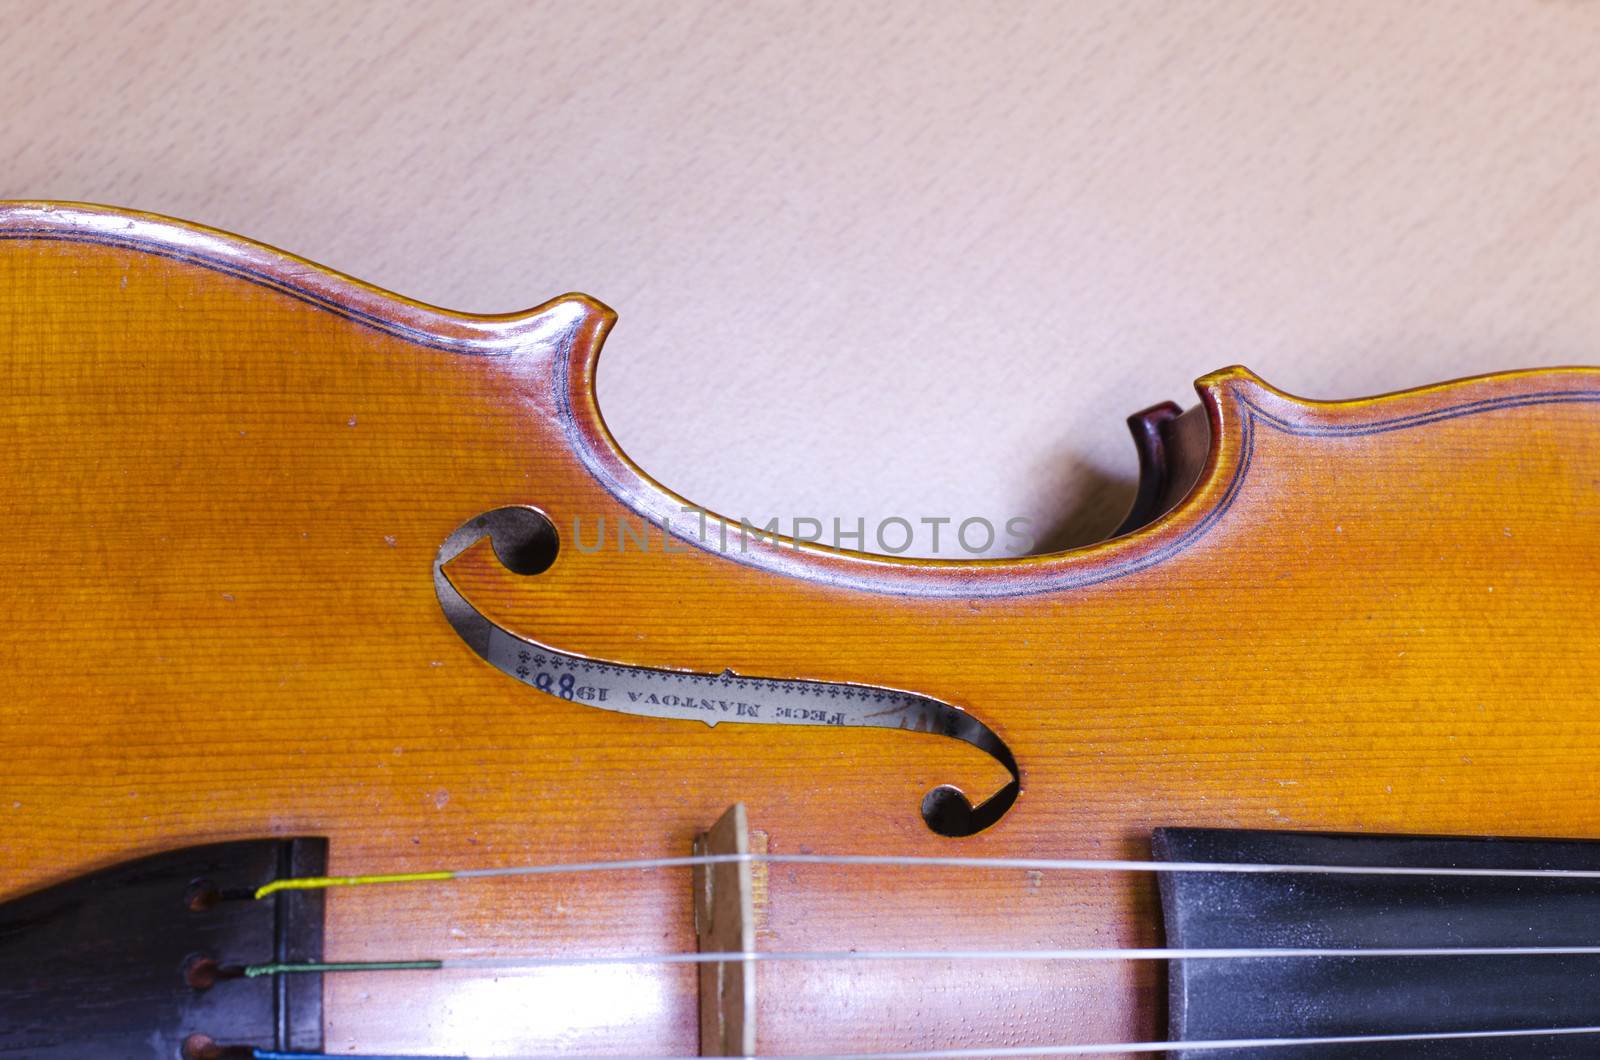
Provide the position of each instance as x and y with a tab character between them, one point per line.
914	259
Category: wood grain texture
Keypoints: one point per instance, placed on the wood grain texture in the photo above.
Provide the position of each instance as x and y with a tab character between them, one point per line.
911	259
227	472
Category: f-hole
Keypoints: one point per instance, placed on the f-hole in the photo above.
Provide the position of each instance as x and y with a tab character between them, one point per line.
524	539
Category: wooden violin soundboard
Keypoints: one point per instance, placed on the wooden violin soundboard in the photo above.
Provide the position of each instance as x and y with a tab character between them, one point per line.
294	557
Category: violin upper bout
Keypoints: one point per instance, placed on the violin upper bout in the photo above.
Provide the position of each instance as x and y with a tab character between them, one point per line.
189	258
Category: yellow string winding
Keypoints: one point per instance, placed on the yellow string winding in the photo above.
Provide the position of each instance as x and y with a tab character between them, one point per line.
318	883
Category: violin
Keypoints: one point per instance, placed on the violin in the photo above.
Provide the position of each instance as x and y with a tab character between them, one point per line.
364	699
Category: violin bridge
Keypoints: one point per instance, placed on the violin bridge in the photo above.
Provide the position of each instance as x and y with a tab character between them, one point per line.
724	917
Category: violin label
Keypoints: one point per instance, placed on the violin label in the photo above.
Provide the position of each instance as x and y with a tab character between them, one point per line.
680	695
708	698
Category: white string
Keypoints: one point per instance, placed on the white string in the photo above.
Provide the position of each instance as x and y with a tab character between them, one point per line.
1099	954
1211	1045
1204	1045
1067	865
1030	864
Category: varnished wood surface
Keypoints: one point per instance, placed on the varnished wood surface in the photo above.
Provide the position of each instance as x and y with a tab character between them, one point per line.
226	475
935	251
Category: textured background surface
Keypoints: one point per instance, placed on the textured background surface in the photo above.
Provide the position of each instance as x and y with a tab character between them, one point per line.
904	259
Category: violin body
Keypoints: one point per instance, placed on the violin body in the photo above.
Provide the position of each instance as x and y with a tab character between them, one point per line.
228	475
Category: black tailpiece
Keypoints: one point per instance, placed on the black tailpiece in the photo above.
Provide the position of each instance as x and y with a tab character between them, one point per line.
135	960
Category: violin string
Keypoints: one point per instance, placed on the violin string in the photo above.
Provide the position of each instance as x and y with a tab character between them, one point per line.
515	964
301	883
512	964
1200	1045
